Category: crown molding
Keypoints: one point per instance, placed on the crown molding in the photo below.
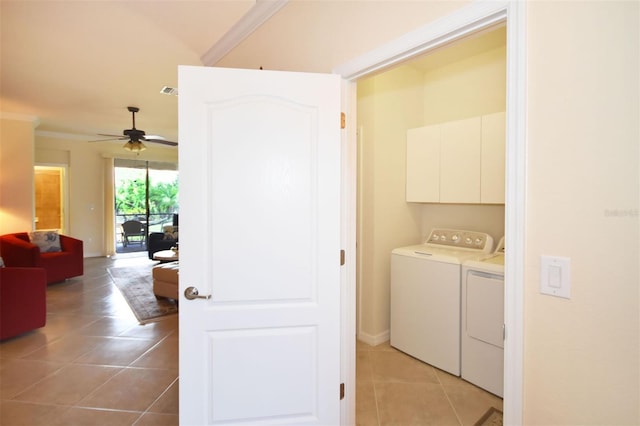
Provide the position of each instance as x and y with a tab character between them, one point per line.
427	38
251	21
20	117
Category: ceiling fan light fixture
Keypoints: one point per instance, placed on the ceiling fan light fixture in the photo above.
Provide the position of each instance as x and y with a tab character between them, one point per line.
134	146
136	136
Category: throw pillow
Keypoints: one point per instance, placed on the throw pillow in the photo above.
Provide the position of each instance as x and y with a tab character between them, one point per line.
170	232
48	241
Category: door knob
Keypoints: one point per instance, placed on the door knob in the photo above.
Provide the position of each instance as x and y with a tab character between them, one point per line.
192	293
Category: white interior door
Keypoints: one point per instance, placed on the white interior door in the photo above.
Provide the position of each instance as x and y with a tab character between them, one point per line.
260	233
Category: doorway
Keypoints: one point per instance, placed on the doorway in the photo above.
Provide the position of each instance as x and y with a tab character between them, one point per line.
50	198
464	80
475	17
146	199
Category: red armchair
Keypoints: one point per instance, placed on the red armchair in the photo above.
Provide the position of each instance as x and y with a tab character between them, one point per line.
23	300
17	251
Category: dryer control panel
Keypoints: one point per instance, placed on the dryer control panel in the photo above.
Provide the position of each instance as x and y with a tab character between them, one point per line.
460	239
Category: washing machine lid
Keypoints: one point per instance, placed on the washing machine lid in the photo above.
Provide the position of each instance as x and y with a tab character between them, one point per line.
435	254
450	246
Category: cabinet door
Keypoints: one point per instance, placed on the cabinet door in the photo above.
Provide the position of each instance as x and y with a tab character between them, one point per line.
493	158
460	161
423	164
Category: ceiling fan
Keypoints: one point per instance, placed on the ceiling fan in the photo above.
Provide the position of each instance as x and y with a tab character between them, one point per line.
136	136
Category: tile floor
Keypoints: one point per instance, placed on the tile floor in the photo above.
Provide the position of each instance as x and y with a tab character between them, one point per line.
396	389
93	364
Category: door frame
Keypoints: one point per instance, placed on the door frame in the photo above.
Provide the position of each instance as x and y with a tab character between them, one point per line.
475	17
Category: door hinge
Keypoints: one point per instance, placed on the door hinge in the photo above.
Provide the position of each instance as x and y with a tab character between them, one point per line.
343	120
341	391
342	257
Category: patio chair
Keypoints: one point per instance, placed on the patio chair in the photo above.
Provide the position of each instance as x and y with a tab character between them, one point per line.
133	231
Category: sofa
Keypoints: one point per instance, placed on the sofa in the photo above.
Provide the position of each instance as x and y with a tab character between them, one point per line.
23	300
157	241
17	250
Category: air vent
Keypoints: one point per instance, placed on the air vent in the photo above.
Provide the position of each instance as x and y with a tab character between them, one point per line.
166	90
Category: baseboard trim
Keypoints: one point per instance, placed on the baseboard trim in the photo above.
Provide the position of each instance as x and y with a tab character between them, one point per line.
374	340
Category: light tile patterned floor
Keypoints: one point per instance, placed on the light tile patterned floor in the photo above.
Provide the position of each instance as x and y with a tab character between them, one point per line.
396	389
93	364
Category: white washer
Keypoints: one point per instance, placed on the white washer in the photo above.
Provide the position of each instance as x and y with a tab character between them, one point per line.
425	295
483	321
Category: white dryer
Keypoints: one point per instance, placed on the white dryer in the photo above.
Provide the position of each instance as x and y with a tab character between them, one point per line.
425	295
482	359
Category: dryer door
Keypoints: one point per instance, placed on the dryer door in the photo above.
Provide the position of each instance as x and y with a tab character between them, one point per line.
485	307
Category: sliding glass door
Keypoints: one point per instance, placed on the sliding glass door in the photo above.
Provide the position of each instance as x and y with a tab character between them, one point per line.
146	198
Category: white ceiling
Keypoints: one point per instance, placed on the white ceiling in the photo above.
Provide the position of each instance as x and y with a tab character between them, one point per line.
77	65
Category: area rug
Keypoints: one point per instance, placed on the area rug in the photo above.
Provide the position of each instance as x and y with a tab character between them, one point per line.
136	285
493	417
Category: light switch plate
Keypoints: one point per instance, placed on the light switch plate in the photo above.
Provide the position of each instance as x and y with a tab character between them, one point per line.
555	276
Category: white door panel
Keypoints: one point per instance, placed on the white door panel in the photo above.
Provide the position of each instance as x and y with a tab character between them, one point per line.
279	191
260	233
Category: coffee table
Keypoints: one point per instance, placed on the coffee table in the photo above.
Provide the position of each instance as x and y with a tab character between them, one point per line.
165	256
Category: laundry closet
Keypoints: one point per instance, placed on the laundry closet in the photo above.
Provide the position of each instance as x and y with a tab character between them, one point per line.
465	81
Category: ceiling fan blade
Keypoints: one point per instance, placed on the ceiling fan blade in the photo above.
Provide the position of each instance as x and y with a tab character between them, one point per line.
158	139
112	138
161	141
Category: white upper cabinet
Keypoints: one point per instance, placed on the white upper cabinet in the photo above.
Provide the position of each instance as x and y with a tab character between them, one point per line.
423	164
493	158
459	161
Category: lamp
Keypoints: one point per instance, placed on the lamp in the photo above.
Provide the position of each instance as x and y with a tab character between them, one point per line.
134	146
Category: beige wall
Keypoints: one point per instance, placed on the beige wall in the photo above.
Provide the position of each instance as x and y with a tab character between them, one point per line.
388	105
86	182
21	149
475	85
582	356
319	35
16	174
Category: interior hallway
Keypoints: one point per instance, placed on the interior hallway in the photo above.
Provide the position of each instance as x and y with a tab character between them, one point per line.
93	364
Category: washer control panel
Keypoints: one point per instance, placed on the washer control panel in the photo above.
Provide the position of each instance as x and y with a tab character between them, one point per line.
455	238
